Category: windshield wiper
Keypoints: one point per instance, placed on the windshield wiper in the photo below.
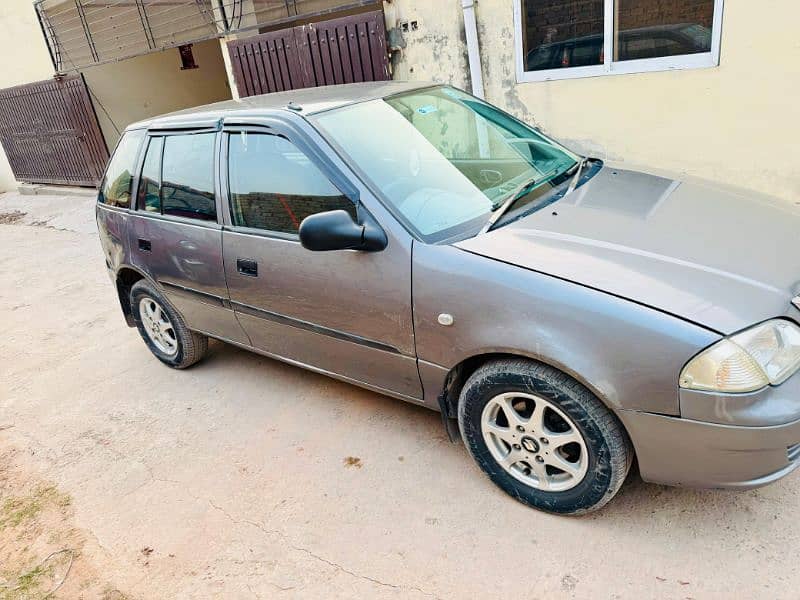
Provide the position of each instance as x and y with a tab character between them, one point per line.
575	178
519	192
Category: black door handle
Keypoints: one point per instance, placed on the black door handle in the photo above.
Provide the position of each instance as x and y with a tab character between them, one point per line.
144	245
247	266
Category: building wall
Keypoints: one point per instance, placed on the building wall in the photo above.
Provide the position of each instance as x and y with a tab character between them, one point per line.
735	123
436	51
153	84
123	92
23	58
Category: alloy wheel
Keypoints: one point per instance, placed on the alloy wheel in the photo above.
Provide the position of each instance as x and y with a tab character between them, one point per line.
534	441
158	326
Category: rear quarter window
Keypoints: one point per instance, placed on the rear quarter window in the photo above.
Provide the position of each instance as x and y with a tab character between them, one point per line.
116	187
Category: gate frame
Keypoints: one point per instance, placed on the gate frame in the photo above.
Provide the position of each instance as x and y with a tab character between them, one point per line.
65	101
254	75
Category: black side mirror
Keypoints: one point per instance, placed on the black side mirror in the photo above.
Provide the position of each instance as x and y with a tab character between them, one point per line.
336	230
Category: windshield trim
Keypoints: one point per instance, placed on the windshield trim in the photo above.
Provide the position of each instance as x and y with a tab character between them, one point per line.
450	235
311	115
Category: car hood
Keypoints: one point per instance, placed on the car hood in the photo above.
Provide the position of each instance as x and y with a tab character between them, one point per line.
724	258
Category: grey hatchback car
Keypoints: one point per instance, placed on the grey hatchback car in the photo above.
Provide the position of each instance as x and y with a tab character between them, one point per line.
563	315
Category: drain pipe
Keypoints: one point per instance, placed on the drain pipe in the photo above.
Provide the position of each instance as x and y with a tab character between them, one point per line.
473	49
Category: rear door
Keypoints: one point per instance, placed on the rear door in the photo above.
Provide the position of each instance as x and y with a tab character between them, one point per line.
346	313
176	237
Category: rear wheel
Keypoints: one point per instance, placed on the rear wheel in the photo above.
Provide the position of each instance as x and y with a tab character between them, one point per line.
543	437
163	330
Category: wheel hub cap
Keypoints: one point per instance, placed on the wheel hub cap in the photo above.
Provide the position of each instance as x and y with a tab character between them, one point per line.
530	444
534	441
157	326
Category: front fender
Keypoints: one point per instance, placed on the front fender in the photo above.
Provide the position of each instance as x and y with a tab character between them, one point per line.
629	355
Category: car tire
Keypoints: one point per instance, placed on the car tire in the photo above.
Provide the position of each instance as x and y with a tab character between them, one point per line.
163	329
564	451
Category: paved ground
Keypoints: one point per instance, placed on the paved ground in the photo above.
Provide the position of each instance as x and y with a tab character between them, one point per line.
233	479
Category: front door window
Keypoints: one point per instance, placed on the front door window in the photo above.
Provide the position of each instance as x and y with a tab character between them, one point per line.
274	186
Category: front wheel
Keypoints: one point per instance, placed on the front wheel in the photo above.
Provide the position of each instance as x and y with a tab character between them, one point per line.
542	437
163	330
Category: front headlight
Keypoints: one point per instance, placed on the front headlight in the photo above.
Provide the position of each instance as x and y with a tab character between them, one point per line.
750	360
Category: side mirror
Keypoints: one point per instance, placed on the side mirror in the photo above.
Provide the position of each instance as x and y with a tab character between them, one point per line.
336	230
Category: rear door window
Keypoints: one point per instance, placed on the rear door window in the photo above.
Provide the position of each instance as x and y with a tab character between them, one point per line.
150	180
187	176
116	188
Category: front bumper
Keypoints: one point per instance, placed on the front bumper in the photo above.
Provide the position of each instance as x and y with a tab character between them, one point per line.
684	452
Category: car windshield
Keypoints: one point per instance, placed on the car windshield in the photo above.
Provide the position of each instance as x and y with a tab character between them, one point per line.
444	160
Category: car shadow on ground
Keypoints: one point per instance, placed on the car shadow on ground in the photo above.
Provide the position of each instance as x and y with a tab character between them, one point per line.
637	504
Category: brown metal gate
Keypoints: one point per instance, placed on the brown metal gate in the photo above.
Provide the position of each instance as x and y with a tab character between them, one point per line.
50	133
346	50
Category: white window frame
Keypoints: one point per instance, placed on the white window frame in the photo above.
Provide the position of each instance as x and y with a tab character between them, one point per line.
611	67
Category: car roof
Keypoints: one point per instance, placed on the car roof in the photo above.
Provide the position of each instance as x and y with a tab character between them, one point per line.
308	100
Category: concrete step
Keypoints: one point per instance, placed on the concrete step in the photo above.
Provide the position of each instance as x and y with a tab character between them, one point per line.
37	189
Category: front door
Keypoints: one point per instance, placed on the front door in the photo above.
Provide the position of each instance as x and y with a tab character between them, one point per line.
175	236
347	313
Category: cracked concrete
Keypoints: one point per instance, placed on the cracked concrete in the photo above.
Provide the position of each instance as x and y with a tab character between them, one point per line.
234	471
315	556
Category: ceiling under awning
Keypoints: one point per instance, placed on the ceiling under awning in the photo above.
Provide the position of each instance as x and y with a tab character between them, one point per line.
83	33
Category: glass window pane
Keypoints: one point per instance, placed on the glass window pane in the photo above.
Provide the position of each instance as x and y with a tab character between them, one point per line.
562	33
274	186
444	159
654	28
116	188
187	188
151	177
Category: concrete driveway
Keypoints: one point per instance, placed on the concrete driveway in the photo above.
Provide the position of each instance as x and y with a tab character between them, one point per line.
247	478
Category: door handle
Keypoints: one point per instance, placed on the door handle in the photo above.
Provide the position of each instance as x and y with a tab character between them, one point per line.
247	266
144	245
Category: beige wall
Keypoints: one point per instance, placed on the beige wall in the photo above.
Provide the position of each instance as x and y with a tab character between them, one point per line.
153	84
23	58
738	123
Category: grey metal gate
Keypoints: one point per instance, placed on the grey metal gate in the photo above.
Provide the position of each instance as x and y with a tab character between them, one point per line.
345	50
50	133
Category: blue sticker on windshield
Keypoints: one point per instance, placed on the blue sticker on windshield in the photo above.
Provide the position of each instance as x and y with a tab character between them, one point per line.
424	110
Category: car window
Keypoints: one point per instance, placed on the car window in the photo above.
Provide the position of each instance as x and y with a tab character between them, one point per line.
652	47
274	186
543	58
443	160
116	188
187	176
150	179
587	53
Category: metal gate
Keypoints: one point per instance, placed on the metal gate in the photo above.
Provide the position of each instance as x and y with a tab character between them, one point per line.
50	133
345	50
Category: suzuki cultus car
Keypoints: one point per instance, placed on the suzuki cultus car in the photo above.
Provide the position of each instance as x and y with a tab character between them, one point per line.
564	316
